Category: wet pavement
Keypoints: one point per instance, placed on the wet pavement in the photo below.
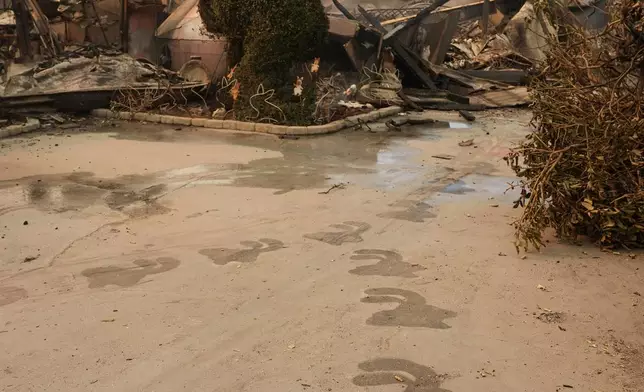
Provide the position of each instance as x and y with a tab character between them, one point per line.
154	258
371	159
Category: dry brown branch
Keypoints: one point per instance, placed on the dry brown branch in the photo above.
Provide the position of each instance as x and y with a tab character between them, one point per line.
583	166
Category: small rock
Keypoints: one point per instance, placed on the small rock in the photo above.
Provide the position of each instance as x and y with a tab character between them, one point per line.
57	118
25	223
494	205
502	254
637	293
542	288
219	114
29	259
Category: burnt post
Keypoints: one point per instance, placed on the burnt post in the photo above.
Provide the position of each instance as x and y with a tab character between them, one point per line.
125	27
22	29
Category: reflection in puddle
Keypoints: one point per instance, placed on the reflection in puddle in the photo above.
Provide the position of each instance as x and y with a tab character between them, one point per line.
307	164
381	161
134	195
445	124
457	188
477	185
458	125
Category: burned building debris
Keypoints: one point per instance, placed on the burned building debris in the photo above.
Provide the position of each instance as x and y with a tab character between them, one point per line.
438	54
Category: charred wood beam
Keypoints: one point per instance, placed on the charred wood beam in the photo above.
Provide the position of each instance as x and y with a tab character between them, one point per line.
372	19
424	93
401	51
22	28
485	17
409	61
344	11
509	76
419	16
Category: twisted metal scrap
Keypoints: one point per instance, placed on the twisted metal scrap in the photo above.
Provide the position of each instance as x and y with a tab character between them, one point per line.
583	166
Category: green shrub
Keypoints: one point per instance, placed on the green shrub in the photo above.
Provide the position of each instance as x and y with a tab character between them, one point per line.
269	39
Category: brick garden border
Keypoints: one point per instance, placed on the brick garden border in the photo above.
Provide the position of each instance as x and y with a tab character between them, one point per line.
244	126
13	130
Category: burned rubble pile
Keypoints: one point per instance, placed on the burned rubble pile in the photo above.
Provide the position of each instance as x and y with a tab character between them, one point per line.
335	65
73	82
583	166
300	63
381	62
445	56
44	72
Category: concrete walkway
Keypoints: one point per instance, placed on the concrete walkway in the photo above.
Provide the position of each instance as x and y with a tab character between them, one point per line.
156	258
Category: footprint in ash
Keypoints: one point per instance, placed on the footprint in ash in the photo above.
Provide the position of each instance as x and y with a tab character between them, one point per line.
350	231
248	254
412	309
387	371
390	263
128	276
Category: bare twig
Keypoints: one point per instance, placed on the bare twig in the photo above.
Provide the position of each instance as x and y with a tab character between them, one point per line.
335	186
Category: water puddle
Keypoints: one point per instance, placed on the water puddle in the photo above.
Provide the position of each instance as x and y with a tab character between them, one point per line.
477	186
134	195
458	125
362	158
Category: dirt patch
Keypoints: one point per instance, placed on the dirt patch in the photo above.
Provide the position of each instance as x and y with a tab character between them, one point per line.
11	294
631	356
551	317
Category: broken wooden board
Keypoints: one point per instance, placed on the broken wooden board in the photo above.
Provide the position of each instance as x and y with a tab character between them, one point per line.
467	12
405	56
414	20
424	93
409	65
517	96
515	77
471	83
441	37
42	27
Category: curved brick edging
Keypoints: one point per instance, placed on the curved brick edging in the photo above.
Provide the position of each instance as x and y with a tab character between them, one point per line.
331	127
32	124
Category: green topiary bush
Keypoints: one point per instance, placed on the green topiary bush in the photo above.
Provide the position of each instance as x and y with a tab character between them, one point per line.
268	39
